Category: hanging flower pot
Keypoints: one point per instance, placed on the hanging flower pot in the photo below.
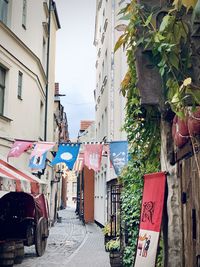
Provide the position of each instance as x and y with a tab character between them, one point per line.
194	122
183	126
180	140
180	132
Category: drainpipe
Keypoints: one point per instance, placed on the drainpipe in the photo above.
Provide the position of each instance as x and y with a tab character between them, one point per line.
47	73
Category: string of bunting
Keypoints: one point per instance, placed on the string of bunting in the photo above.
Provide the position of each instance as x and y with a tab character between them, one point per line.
68	153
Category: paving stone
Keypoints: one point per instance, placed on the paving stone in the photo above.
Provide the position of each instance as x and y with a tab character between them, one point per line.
70	244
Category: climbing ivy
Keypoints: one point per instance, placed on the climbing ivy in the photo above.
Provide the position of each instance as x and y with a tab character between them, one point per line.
143	124
168	45
143	131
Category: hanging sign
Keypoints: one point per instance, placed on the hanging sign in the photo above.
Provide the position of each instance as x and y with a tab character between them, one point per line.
67	154
119	155
150	219
92	156
18	148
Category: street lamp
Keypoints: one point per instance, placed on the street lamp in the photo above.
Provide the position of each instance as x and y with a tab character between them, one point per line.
58	176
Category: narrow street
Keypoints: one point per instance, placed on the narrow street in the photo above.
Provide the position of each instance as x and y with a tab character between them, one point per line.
70	244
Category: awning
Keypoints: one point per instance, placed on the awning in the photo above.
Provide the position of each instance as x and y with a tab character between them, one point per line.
13	179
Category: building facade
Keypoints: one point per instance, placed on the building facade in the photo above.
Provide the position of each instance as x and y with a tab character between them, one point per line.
110	71
27	76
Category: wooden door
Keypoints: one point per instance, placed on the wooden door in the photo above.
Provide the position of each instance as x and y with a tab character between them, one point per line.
190	204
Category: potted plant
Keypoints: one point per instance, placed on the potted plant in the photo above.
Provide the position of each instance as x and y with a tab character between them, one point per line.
107	235
113	246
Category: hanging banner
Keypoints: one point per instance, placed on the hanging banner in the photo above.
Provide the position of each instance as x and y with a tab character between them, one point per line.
38	162
92	156
67	154
150	219
18	148
41	148
119	155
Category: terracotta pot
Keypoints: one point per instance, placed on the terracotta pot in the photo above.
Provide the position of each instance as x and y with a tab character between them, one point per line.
174	126
180	132
183	126
194	123
180	140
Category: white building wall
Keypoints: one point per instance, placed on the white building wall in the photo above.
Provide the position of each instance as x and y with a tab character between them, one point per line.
22	49
110	103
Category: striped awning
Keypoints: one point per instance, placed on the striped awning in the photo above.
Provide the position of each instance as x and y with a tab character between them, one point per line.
13	179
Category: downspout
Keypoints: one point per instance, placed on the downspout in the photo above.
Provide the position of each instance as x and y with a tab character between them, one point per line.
47	73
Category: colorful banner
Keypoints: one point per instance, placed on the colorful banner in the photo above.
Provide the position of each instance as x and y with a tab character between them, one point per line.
119	155
67	154
150	220
38	162
41	148
18	148
92	156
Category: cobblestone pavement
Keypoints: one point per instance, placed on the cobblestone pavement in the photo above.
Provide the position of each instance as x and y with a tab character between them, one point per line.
70	244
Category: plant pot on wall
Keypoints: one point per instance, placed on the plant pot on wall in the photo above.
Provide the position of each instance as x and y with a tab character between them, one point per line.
116	259
194	122
180	132
149	79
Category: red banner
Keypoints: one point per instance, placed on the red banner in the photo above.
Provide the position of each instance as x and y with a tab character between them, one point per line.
18	148
92	156
150	220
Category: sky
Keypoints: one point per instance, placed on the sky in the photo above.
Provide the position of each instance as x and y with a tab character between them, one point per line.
75	60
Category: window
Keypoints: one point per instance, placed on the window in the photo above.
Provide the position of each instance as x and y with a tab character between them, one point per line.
19	92
2	88
24	11
4	10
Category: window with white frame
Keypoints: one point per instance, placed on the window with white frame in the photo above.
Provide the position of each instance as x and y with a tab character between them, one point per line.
4	10
24	13
2	88
19	90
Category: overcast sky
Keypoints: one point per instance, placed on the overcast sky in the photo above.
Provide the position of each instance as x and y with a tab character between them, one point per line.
75	60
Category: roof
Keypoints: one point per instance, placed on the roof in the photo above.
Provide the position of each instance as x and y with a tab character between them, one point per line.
85	124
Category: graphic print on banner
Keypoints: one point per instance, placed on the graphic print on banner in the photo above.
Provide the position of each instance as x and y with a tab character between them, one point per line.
150	219
119	155
67	153
18	148
92	156
38	162
41	148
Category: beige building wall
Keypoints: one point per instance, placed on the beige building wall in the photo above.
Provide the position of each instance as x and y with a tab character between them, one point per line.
23	48
110	113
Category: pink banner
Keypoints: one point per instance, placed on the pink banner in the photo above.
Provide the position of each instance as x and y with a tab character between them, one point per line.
18	148
40	148
150	220
92	156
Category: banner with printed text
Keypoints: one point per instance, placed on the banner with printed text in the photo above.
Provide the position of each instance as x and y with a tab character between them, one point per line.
150	219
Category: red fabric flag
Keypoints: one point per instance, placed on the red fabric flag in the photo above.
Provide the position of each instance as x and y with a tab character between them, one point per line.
41	148
92	156
151	218
18	148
